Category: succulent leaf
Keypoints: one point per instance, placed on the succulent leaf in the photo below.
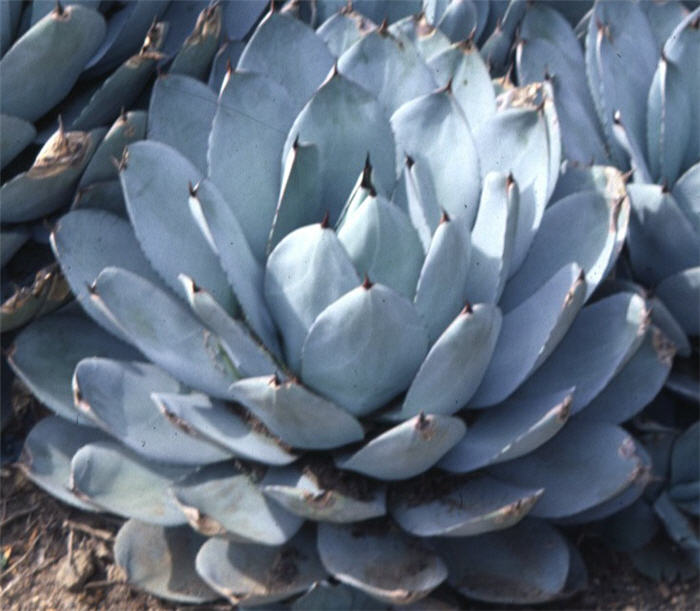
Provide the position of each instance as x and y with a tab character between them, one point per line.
462	66
171	119
128	128
87	241
268	53
455	366
681	294
433	131
313	498
685	192
511	429
442	285
307	272
119	481
286	408
385	564
636	384
528	562
45	355
580	228
344	356
46	457
342	30
476	506
50	182
16	135
346	124
586	464
224	499
407	449
164	330
155	183
258	574
383	245
54	52
529	334
661	239
251	122
391	70
116	395
493	236
245	275
223	426
161	560
299	202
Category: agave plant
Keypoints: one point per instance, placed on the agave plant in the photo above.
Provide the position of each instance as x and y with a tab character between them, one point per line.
89	62
641	109
342	328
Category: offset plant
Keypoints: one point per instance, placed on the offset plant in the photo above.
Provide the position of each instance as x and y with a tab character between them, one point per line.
87	66
344	329
641	108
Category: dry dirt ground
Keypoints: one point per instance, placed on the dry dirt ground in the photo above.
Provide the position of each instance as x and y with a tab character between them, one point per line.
47	549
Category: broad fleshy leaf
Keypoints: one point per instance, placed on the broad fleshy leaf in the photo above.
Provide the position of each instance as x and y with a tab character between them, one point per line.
47	454
327	496
382	563
45	354
344	354
224	500
470	82
287	408
388	68
346	124
407	449
223	425
442	285
476	506
681	294
528	562
307	271
492	238
255	575
267	53
509	430
530	332
636	384
155	182
599	343
48	59
433	131
161	560
87	241
586	464
117	396
251	122
180	115
455	366
245	275
383	245
164	330
119	481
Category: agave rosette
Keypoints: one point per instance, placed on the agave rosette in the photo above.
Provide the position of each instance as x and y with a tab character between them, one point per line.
89	62
342	328
634	99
